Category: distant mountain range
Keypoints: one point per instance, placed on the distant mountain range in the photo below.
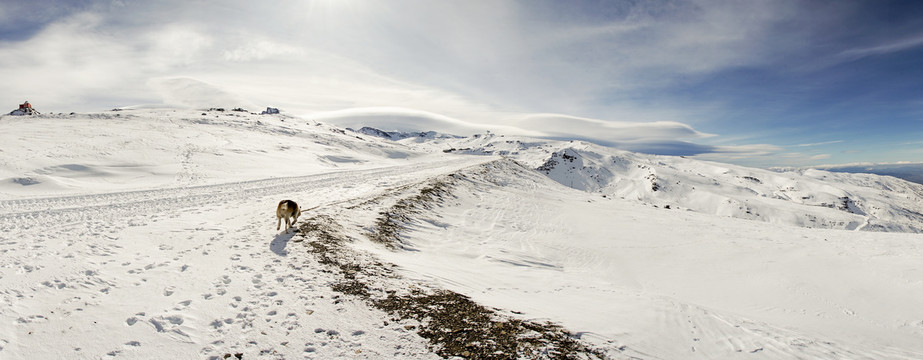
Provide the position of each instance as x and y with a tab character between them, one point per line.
837	198
908	171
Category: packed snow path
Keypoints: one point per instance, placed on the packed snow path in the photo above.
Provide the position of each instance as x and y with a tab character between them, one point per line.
193	272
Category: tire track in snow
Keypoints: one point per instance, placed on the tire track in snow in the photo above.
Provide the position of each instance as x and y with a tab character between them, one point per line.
29	213
81	253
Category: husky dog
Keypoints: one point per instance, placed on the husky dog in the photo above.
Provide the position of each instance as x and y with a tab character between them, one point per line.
287	209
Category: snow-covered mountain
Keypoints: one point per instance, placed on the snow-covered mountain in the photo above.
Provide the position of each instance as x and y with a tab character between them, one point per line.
400	135
147	233
908	171
802	197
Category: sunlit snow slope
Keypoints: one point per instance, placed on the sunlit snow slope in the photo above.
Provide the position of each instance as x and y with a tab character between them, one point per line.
151	233
143	149
667	284
804	198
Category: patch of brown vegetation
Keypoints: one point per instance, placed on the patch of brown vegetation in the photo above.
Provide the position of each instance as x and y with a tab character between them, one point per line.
391	222
455	325
458	326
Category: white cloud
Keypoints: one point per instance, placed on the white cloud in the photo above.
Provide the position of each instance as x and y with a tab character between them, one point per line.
174	46
819	143
500	54
604	131
759	155
738	152
192	93
408	120
452	66
881	49
67	63
262	49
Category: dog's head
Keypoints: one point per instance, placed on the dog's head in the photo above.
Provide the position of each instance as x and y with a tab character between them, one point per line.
288	207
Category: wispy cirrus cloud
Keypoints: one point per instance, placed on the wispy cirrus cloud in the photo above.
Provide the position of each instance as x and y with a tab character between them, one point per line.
819	143
881	49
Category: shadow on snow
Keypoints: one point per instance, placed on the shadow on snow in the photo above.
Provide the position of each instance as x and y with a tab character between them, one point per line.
279	242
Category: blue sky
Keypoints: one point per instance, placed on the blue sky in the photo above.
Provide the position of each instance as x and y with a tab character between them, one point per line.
759	83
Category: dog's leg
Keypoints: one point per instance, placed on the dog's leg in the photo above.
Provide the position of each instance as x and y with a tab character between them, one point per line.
288	223
278	222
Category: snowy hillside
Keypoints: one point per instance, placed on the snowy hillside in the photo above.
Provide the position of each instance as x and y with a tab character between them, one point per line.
142	149
661	284
397	135
804	198
908	171
149	233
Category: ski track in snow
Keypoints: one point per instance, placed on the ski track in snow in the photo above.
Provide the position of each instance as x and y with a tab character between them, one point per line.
211	288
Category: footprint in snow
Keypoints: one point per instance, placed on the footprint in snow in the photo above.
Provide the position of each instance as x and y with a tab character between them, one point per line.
162	323
219	322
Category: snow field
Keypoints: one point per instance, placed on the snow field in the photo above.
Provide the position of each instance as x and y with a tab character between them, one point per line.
179	266
202	273
141	150
659	283
150	234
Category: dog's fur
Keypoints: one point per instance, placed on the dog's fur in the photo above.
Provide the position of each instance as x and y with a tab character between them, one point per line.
288	210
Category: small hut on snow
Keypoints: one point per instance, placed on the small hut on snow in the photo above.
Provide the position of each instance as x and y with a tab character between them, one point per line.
25	109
